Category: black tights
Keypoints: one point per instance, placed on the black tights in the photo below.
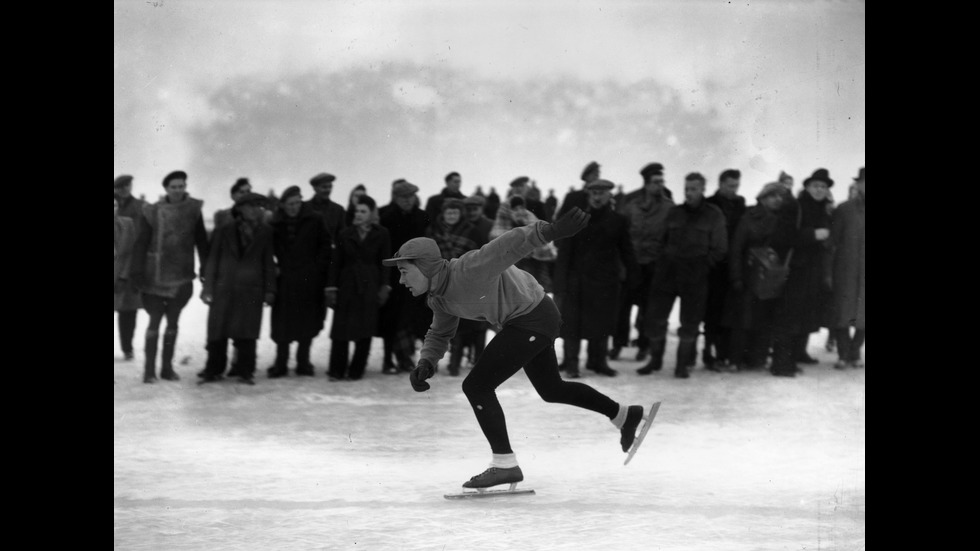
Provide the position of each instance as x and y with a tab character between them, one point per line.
509	351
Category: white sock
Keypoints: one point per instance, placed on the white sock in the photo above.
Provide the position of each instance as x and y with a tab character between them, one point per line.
620	419
504	460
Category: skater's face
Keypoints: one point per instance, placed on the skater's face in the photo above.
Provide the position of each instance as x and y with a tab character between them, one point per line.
412	278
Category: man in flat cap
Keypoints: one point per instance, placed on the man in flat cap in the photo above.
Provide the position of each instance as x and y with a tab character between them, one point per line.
694	240
334	215
646	211
716	337
126	297
239	277
580	198
404	318
473	206
240	188
589	277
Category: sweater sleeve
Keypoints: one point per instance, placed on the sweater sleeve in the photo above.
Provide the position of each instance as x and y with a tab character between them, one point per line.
503	252
437	338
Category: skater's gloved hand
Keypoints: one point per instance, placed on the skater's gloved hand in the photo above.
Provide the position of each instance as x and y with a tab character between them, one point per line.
423	371
567	225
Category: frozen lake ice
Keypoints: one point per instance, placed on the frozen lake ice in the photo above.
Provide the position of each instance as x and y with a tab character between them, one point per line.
734	461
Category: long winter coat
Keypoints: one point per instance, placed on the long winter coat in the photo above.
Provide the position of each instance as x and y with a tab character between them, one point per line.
403	311
238	281
587	275
358	274
127	297
806	294
163	258
756	229
302	248
334	215
123	239
847	237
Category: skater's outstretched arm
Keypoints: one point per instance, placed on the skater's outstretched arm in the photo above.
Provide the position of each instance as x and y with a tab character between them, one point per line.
436	342
504	251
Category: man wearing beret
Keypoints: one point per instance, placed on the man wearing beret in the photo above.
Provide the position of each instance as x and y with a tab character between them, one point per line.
126	298
646	211
404	317
334	215
716	336
694	241
588	281
240	275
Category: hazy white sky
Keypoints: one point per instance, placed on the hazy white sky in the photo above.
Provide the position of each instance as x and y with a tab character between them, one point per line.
373	91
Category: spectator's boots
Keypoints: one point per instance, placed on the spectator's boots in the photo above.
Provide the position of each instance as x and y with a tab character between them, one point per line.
569	362
597	357
150	353
388	366
854	353
687	351
799	350
234	371
281	367
843	338
455	357
303	365
338	359
167	361
358	363
782	357
642	348
656	356
617	348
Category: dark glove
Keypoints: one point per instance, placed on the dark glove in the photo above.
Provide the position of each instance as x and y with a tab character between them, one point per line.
421	372
567	225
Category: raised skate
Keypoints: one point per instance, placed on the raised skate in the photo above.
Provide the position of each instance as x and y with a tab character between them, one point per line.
493	476
648	421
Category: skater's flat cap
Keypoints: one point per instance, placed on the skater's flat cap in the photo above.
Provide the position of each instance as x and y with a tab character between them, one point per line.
591	167
125	179
772	188
404	189
322	177
599	184
415	249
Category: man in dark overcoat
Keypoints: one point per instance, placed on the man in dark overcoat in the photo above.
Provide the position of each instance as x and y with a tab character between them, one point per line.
716	335
302	247
589	279
240	275
693	242
334	215
403	318
847	238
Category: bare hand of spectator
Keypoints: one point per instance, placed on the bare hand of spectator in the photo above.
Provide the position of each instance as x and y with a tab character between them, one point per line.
821	233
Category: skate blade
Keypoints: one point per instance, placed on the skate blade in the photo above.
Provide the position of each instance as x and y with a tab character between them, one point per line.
643	432
484	492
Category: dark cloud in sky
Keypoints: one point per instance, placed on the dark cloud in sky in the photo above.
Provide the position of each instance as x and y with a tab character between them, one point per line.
374	125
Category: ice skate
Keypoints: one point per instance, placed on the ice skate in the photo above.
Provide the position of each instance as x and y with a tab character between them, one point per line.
635	442
493	476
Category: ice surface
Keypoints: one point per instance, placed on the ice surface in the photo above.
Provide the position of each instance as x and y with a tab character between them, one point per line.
734	461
